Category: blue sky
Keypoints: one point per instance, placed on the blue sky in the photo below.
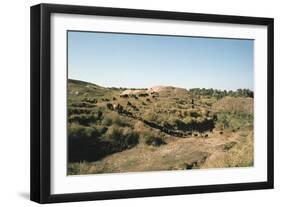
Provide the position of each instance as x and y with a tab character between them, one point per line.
143	61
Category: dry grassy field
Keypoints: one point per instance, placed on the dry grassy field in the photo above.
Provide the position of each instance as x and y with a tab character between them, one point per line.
113	130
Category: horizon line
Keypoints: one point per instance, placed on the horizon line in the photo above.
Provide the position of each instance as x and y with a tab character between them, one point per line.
139	88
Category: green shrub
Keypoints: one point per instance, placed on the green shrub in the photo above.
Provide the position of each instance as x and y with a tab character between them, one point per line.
113	133
233	121
83	119
77	110
151	116
121	138
78	168
199	124
194	114
107	120
78	132
188	120
114	118
154	140
130	137
102	129
82	104
172	121
167	124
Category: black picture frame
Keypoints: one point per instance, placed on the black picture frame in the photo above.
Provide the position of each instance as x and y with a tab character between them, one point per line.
41	95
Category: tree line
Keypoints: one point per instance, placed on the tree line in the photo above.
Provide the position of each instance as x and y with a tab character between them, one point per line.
222	93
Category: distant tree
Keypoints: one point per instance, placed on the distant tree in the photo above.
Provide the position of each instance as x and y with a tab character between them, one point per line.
221	93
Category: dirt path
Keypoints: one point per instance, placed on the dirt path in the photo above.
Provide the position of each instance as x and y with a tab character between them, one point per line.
181	153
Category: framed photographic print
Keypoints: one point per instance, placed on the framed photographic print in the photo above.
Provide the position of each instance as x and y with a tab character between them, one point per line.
133	103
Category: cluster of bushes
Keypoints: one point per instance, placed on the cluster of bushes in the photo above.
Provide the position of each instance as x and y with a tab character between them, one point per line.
77	110
96	134
222	93
83	143
90	100
154	140
152	116
121	138
88	143
185	120
83	119
200	124
82	104
233	121
148	136
76	131
112	118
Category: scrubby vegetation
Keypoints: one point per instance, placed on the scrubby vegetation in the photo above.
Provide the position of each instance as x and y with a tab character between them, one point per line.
222	93
104	122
